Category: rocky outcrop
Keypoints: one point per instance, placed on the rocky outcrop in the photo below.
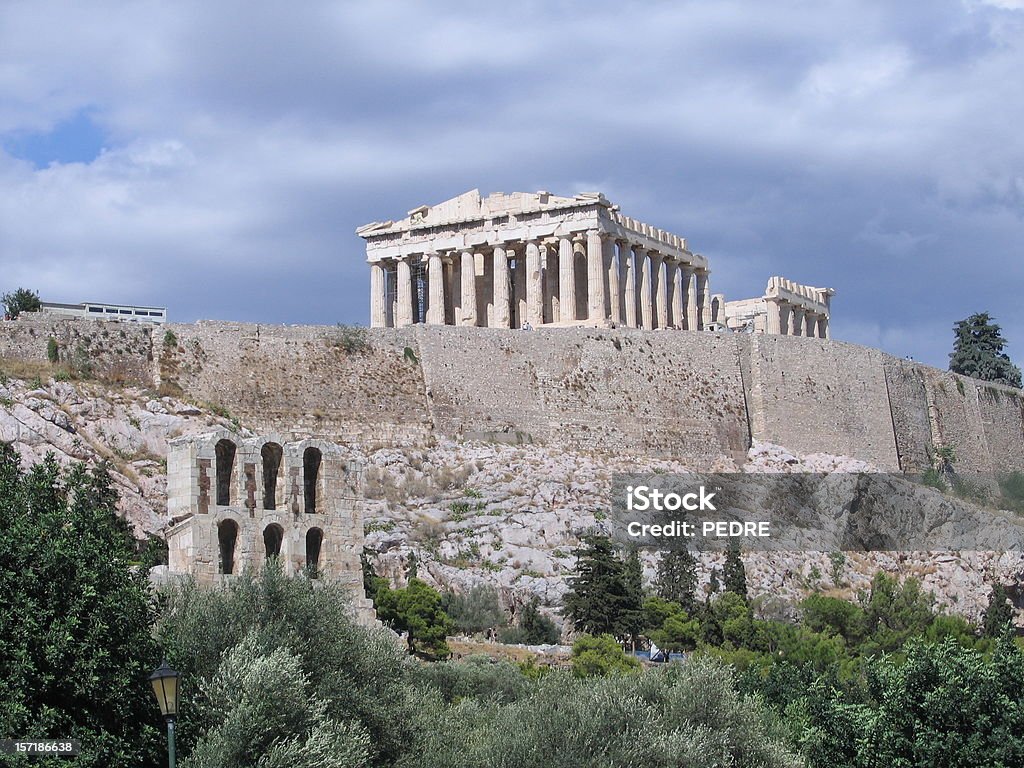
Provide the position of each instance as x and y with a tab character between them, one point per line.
509	515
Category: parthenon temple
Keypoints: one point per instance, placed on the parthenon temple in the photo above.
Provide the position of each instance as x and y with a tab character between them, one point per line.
525	259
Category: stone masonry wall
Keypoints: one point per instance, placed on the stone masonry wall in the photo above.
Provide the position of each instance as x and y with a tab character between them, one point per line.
1002	418
622	391
302	380
694	396
908	403
814	395
114	351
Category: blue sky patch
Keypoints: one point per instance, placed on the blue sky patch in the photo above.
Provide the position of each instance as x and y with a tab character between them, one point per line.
77	139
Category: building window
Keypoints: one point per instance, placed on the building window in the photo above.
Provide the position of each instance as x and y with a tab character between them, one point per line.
273	535
314	542
272	455
311	460
225	452
227	535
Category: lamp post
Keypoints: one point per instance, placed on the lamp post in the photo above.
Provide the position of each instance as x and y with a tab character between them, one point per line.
165	688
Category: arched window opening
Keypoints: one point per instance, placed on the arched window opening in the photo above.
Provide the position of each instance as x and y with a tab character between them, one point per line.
227	536
272	455
314	540
225	451
311	459
273	535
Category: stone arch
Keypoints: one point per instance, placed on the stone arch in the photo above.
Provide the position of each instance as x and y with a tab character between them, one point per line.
314	545
227	539
225	451
272	456
312	460
273	540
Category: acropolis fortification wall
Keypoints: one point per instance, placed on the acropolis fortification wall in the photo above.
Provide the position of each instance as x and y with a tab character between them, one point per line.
693	395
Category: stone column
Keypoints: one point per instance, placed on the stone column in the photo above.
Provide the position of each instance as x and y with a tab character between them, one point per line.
704	298
773	316
579	251
797	321
628	269
378	316
549	258
659	287
519	279
485	300
534	285
784	319
614	301
468	289
675	293
810	324
823	327
646	293
566	281
501	314
692	309
403	312
435	303
595	277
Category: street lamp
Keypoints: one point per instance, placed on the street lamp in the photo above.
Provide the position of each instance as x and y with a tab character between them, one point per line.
165	688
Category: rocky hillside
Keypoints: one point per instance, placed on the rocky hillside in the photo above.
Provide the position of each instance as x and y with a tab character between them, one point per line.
507	515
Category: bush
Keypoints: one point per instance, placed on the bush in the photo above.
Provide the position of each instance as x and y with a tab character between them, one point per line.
170	339
351	339
52	350
681	714
600	656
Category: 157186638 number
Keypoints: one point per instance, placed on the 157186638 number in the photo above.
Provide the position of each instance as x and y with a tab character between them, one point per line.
51	747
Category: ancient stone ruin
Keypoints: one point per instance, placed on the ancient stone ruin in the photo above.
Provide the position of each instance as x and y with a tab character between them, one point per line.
787	308
237	502
529	259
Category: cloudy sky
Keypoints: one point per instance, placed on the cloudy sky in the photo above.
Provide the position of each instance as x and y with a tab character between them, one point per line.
216	157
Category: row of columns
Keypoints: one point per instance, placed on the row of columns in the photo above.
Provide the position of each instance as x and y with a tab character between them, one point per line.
592	278
790	319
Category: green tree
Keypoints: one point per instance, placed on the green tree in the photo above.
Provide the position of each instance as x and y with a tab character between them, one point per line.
21	300
360	673
532	627
601	655
734	573
998	612
75	623
677	578
978	351
416	610
600	600
893	613
267	713
475	610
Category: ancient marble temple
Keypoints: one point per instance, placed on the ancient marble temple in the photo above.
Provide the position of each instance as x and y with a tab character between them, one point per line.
531	259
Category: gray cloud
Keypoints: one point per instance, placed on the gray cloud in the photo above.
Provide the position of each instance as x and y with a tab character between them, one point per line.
868	146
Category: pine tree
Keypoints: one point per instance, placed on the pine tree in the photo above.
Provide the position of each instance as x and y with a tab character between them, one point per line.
998	613
633	573
734	573
599	600
677	578
978	352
